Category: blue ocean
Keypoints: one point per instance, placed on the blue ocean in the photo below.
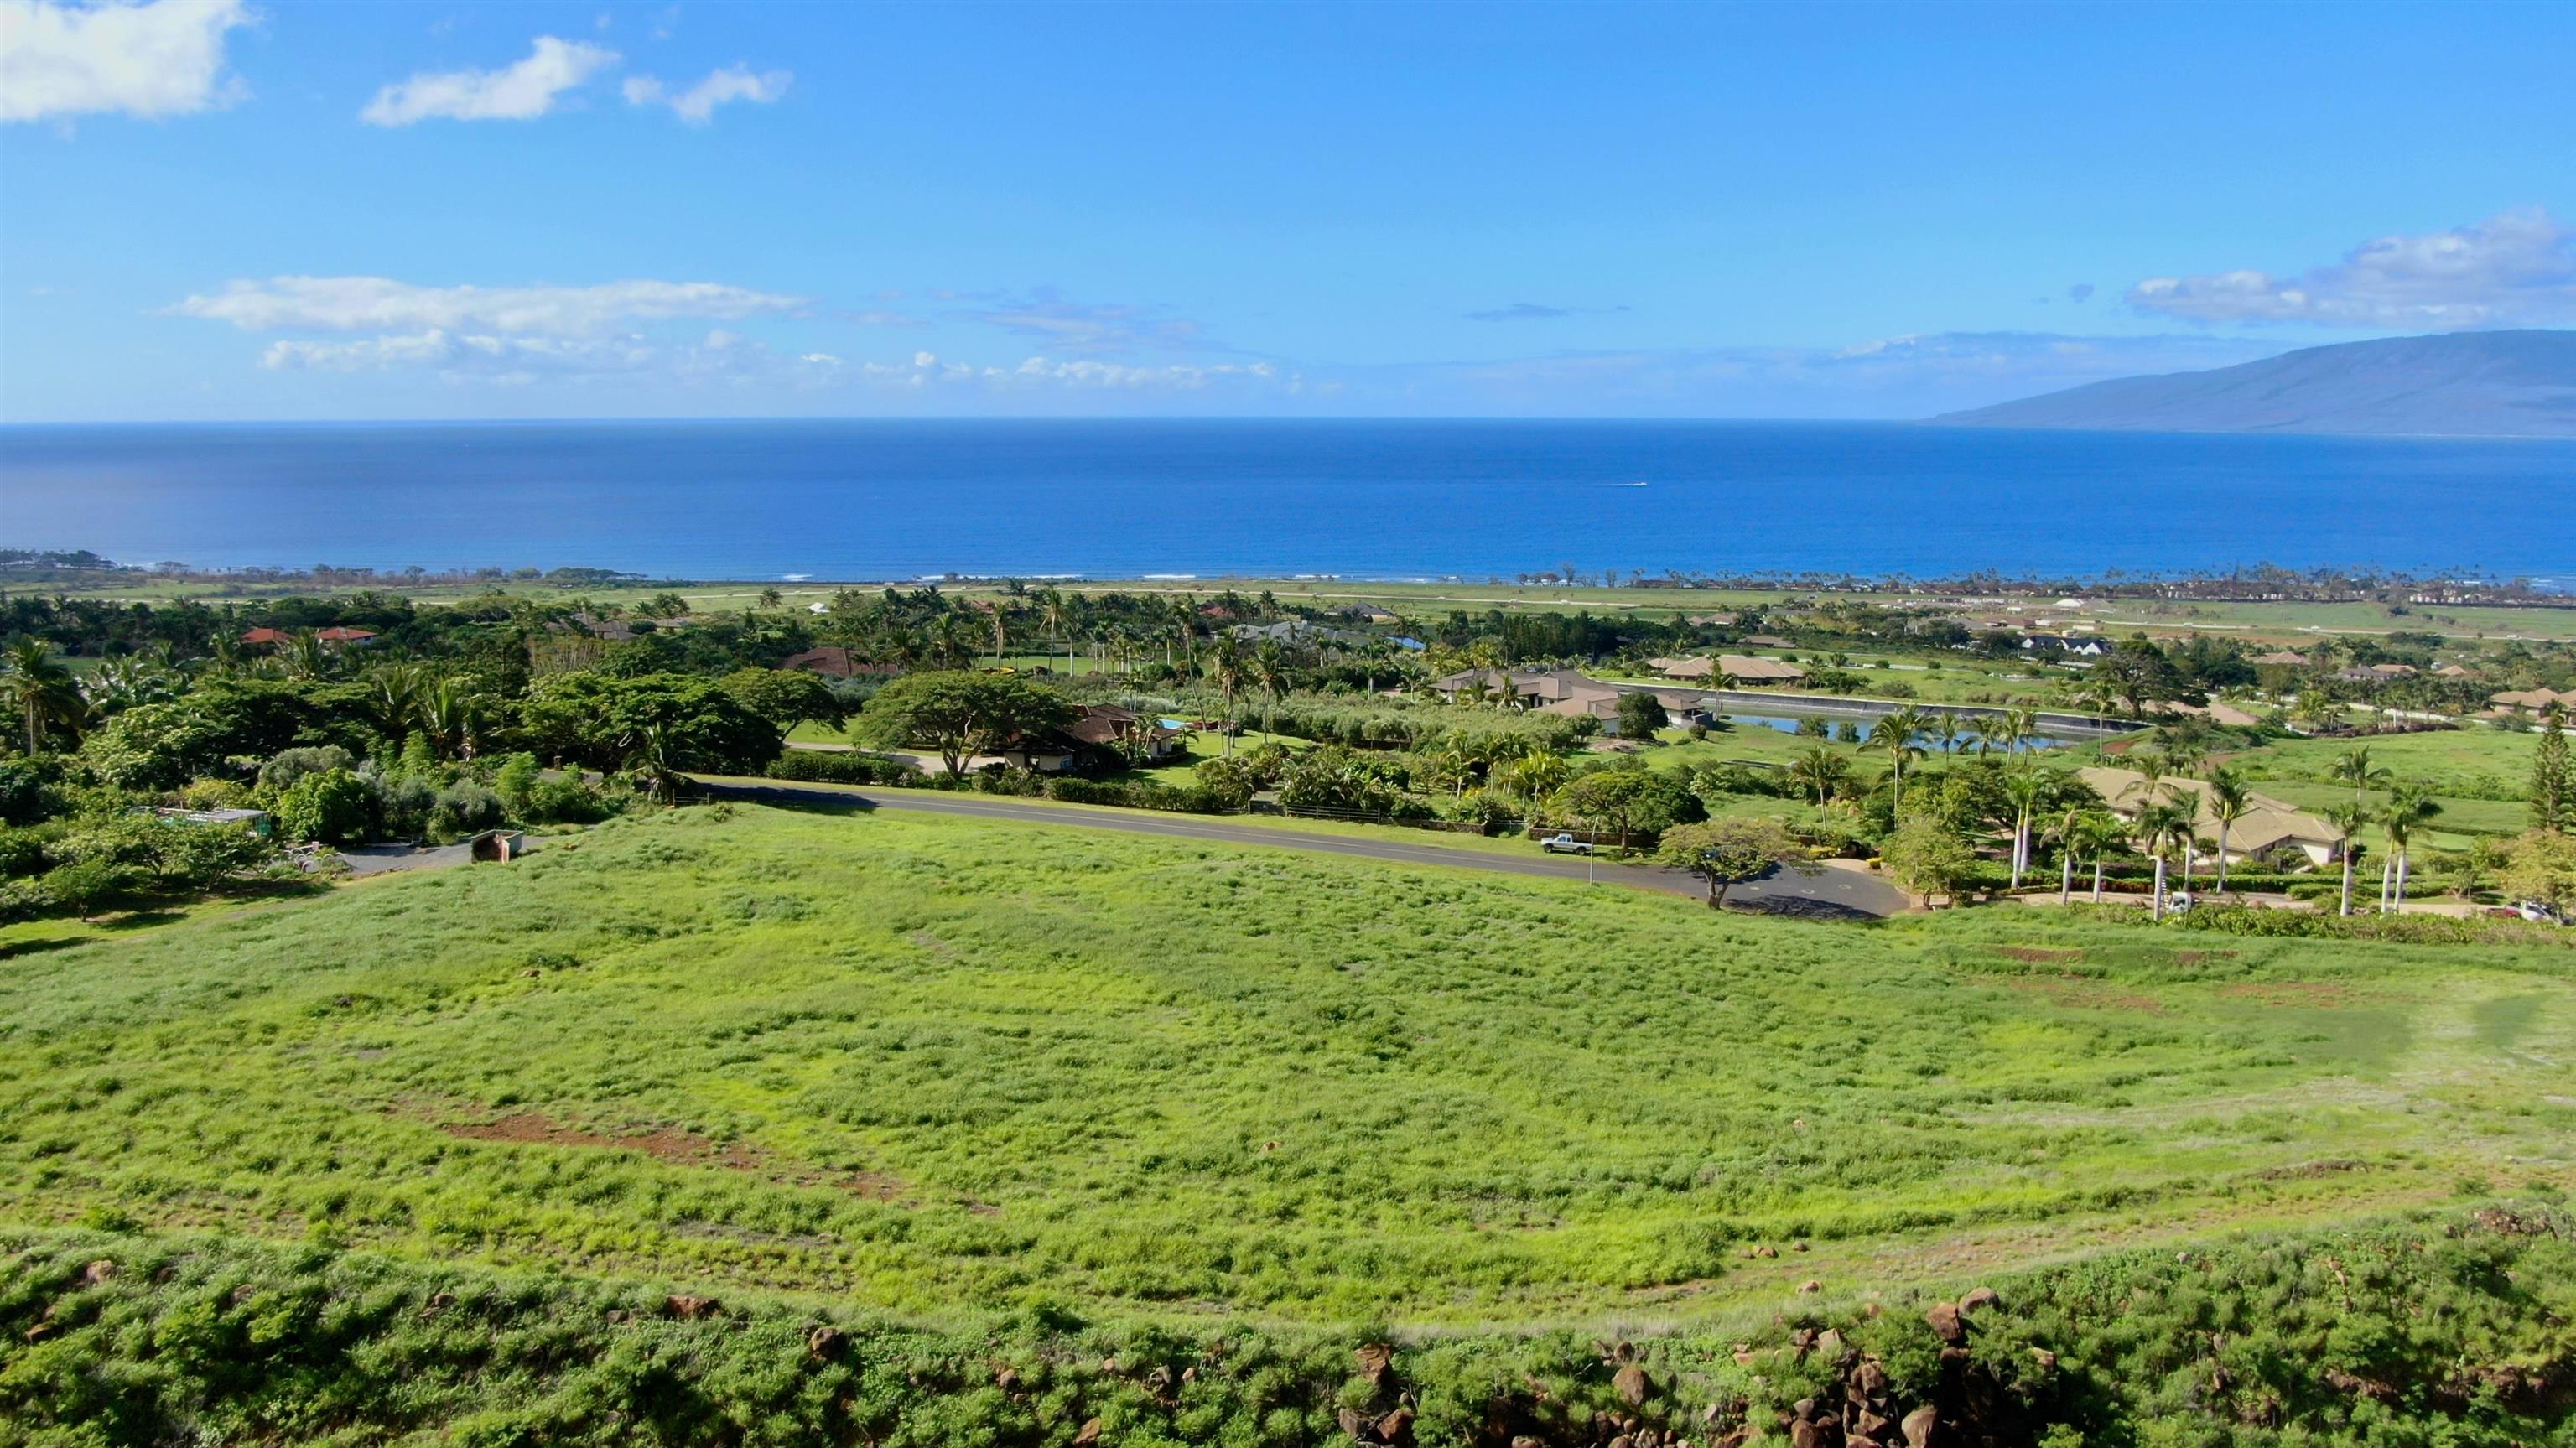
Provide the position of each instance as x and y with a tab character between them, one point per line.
868	500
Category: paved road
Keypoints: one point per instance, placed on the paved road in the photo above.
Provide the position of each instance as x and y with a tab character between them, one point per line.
1828	892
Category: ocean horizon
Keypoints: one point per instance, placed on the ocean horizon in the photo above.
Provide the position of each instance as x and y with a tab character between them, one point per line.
1378	499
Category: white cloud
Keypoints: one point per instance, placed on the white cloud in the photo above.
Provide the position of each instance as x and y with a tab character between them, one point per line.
1094	327
697	105
349	304
2517	267
522	92
159	59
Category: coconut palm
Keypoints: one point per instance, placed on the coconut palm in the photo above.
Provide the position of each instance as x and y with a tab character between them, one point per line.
1894	737
446	711
2353	767
1988	730
1945	731
41	691
2349	821
2159	826
1052	617
2090	834
304	657
1269	674
2230	800
2026	789
1227	669
1822	768
398	689
2407	807
771	598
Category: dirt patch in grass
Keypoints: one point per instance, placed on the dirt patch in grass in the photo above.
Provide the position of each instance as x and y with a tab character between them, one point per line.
670	1144
2314	994
2085	993
2041	954
682	1148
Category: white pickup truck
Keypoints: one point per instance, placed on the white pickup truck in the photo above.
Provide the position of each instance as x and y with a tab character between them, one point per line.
1562	844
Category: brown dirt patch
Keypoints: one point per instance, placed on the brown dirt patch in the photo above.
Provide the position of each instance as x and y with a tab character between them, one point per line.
667	1144
2041	954
533	1128
2315	994
2085	993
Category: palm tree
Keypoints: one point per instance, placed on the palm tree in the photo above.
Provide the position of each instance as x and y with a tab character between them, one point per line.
1001	632
1986	731
2407	807
1822	768
1945	732
2229	801
1271	676
2025	789
649	760
2349	821
1226	670
42	691
771	598
1894	737
2353	767
447	717
398	692
2089	833
304	657
2158	826
1051	617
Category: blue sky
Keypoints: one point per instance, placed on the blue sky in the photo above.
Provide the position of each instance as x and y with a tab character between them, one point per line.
215	210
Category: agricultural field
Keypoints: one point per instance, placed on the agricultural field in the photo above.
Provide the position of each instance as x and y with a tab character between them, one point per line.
915	1063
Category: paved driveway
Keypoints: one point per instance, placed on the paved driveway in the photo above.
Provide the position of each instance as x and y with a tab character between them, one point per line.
1831	892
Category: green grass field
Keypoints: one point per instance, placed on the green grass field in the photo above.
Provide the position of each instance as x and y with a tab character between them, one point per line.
2468	763
919	1064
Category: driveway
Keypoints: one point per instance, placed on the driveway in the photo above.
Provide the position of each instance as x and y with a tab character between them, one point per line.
1829	893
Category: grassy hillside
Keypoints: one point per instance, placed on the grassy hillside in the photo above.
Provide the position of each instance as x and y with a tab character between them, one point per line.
922	1064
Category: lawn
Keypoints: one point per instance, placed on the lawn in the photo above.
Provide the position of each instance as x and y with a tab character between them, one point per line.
2467	763
921	1064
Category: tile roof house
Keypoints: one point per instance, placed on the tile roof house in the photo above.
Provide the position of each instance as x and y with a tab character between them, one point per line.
2290	658
2536	700
2275	833
342	634
264	638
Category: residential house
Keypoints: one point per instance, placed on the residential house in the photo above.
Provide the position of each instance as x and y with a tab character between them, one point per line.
2275	834
1755	671
833	661
2537	701
2286	658
1099	736
340	634
1527	688
264	638
2077	644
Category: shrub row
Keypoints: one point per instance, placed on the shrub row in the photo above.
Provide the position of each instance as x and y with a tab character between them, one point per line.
2442	1328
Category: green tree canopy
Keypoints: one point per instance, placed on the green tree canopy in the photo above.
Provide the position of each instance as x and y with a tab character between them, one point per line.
1728	852
599	720
961	714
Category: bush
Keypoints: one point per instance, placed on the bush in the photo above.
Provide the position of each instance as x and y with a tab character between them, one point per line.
844	767
463	808
564	802
288	766
330	808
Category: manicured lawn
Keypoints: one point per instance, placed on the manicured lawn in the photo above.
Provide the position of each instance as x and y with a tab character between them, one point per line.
926	1064
2455	762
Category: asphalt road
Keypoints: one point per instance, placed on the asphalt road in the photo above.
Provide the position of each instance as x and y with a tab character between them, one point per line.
1825	893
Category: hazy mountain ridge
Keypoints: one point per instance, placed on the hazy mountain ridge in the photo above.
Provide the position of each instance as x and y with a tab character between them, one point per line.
2463	384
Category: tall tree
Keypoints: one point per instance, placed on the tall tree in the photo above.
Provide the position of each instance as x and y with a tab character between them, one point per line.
41	691
2408	806
2349	820
2230	800
2553	789
1729	852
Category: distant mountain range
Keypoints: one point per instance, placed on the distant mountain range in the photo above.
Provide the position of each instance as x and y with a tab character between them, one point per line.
2462	384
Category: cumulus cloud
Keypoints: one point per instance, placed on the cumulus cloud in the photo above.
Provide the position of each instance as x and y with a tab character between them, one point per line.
465	357
520	92
697	105
2517	267
160	59
350	304
1089	327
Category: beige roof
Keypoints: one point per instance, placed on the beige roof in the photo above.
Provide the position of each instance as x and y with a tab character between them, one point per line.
1754	669
2271	821
2282	656
1698	668
2535	698
2455	671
